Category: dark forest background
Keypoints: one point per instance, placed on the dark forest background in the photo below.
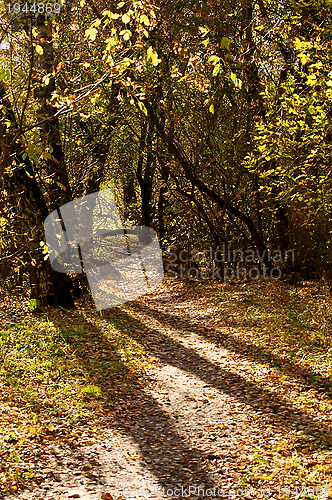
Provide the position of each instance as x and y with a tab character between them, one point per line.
210	120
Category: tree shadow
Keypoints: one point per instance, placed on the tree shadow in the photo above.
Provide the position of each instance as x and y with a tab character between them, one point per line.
277	410
308	377
164	450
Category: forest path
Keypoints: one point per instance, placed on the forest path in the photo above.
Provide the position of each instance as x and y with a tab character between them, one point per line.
214	419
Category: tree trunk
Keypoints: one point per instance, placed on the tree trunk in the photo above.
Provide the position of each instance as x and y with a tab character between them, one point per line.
191	176
47	286
56	168
21	187
145	182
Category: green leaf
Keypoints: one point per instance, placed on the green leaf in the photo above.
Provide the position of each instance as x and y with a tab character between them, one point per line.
46	155
33	304
94	390
224	43
11	438
34	157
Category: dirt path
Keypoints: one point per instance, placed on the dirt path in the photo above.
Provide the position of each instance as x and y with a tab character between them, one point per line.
213	421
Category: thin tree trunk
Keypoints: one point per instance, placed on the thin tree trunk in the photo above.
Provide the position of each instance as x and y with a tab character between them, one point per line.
56	168
175	151
145	182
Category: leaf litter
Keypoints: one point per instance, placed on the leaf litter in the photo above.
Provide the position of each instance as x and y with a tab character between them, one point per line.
196	384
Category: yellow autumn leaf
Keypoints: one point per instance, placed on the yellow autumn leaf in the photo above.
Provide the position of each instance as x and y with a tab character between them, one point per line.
304	58
91	33
237	82
211	109
204	30
154	59
214	59
125	18
142	108
152	54
216	70
145	20
39	50
302	44
311	80
126	34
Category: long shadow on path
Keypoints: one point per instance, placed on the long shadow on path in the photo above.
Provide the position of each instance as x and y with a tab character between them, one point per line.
164	451
309	378
176	354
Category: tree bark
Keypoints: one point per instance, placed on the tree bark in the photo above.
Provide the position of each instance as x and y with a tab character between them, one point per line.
56	168
48	286
145	181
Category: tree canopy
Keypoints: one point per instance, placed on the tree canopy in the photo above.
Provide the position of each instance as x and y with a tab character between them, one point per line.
210	120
